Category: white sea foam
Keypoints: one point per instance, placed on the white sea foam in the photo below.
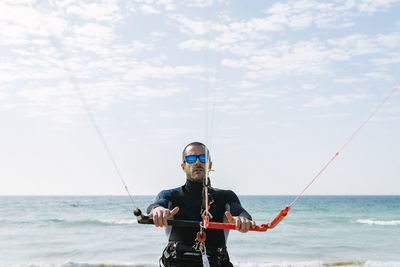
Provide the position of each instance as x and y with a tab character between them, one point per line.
377	222
95	221
279	264
133	221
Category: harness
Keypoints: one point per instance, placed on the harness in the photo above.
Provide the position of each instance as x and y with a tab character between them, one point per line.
179	254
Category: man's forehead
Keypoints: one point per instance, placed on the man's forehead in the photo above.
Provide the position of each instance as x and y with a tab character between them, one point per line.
194	149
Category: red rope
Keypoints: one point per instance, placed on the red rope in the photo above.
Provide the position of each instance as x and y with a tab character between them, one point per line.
349	140
281	215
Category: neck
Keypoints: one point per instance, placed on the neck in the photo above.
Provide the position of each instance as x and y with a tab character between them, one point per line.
194	180
194	186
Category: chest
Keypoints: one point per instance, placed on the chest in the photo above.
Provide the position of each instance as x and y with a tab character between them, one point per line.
190	207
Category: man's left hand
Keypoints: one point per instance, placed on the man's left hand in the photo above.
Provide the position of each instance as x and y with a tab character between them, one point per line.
242	224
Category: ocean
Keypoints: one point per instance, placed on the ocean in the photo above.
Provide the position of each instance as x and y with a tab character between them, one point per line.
71	231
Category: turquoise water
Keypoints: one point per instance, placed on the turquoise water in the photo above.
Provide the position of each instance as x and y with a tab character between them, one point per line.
91	231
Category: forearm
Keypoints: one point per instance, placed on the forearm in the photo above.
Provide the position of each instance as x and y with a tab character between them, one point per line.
160	201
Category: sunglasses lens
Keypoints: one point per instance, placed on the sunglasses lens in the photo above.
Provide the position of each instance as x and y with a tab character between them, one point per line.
191	159
203	158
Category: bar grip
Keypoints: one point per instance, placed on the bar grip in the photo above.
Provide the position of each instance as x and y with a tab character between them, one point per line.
143	219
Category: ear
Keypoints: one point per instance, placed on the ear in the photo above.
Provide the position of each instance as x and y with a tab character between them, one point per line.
210	165
183	166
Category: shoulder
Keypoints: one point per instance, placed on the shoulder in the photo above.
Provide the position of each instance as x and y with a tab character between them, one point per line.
226	194
223	191
168	193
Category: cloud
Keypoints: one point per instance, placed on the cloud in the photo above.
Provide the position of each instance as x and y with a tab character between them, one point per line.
149	9
390	41
313	56
201	45
31	65
351	80
22	25
93	33
378	76
71	98
336	14
44	100
284	58
158	35
299	15
196	45
144	71
89	43
301	21
173	115
168	4
102	11
3	95
390	58
144	92
187	25
200	3
247	84
261	93
372	6
332	115
319	101
356	44
234	63
307	87
237	36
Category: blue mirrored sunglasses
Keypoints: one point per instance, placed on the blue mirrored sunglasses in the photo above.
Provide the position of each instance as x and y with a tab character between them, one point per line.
192	158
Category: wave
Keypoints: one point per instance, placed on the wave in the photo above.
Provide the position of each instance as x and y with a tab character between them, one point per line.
75	264
315	263
377	222
94	222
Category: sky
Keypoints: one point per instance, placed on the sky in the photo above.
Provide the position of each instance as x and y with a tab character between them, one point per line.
274	88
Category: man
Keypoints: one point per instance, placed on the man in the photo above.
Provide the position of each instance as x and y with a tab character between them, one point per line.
186	202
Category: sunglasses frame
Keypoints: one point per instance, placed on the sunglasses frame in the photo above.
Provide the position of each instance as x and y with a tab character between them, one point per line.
204	156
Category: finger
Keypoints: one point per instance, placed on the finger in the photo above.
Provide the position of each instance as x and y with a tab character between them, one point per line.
242	224
237	223
173	212
159	218
165	218
245	226
252	224
229	217
155	218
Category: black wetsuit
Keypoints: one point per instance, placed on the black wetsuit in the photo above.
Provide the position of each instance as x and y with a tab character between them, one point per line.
189	199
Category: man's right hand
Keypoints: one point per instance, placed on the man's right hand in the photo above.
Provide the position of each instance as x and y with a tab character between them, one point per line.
160	215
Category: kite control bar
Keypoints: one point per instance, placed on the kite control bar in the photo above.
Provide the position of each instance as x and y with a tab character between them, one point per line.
143	219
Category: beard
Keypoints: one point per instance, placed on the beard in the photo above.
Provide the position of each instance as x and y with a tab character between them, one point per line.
196	175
